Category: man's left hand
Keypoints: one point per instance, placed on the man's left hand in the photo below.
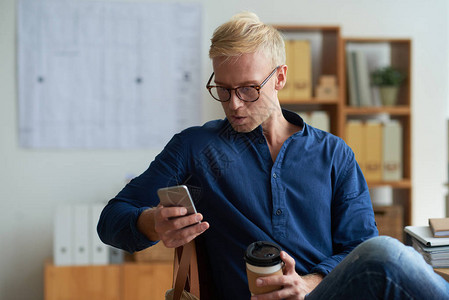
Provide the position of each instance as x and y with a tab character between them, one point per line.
293	285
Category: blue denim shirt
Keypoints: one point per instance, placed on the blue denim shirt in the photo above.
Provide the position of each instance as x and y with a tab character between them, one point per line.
313	200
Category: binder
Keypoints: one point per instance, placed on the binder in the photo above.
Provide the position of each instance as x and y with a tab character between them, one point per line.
392	151
62	236
286	93
81	243
320	120
116	256
425	236
354	136
373	150
302	70
99	251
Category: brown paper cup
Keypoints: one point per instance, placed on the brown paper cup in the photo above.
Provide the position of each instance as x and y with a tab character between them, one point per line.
254	272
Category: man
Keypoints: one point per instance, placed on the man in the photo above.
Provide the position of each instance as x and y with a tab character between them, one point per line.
259	174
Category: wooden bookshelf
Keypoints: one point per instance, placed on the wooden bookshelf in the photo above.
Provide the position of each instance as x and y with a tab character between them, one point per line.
332	62
400	58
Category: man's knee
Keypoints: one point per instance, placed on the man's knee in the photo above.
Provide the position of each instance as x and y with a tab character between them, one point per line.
387	252
382	246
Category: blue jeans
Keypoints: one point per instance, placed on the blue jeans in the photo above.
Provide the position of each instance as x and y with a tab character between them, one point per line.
382	268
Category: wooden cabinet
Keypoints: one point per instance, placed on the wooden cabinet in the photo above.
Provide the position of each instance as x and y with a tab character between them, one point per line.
128	281
398	53
82	282
146	281
329	58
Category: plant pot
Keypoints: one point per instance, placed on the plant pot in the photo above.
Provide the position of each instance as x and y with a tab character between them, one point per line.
389	95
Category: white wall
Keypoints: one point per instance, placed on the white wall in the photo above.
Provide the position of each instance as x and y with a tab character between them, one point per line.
33	182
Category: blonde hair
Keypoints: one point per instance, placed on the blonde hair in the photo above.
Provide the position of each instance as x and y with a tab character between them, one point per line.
245	33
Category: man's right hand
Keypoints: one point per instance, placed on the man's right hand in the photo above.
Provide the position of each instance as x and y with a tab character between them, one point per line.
171	225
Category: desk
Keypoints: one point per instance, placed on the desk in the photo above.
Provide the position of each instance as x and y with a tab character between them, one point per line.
443	273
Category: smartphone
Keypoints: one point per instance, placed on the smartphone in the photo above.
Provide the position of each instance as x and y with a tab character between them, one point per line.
177	195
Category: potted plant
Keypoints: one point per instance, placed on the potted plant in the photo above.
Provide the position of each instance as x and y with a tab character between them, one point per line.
388	79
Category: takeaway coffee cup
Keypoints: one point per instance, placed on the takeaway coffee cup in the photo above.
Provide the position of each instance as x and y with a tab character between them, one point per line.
262	259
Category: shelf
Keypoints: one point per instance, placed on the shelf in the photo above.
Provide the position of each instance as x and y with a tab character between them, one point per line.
401	184
300	28
401	110
312	101
377	40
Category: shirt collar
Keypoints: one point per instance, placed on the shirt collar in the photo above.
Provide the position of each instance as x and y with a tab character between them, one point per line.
290	116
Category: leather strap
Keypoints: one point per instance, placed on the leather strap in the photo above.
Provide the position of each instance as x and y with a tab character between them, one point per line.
193	274
186	268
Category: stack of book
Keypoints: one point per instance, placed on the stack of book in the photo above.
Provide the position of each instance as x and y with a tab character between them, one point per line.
435	250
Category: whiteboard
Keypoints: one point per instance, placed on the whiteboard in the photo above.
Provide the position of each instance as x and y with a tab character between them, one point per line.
99	74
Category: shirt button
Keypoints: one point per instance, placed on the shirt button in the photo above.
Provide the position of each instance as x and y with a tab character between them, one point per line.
261	141
278	212
274	175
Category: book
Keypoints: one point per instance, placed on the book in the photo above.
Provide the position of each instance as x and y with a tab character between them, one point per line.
392	151
425	236
439	227
362	79
437	256
352	81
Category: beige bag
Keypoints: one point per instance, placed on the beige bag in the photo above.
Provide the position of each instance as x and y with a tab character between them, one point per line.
186	284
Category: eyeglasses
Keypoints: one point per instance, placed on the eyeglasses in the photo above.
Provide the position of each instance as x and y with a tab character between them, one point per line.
249	93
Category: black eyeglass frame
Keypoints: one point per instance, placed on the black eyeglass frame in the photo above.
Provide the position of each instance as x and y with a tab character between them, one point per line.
257	87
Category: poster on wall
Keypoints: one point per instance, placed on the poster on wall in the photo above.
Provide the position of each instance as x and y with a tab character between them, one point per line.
100	74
